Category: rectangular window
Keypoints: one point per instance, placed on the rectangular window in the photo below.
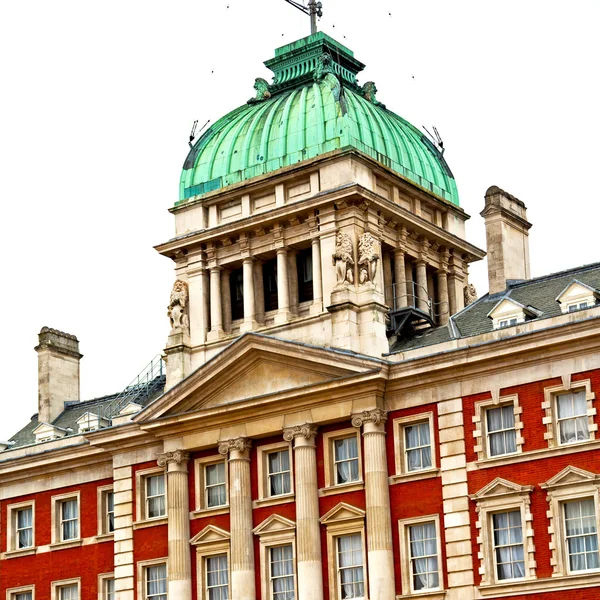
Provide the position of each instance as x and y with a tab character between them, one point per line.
509	552
68	592
417	444
24	528
22	596
572	417
155	496
214	485
69	523
351	581
501	432
110	512
279	473
217	578
109	589
424	557
282	573
345	456
156	583
581	535
507	323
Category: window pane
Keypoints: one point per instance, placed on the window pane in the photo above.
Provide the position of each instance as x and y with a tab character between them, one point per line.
156	582
155	496
69	520
282	573
423	556
217	578
109	589
346	460
508	545
23	596
502	436
279	473
350	566
418	446
69	592
214	483
24	528
581	535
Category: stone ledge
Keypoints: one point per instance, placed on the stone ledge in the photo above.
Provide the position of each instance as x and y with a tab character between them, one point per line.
19	553
65	545
437	595
342	489
413	476
536	586
209	512
283	499
150	523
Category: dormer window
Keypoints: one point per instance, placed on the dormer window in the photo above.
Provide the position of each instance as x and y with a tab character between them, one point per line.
577	296
507	322
91	422
45	432
509	312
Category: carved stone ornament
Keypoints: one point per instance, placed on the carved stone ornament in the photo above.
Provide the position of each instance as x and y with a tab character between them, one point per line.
369	91
343	259
262	90
367	259
470	294
240	444
324	66
177	456
377	416
308	431
178	308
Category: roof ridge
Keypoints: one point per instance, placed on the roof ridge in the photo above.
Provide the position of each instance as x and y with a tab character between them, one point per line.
556	275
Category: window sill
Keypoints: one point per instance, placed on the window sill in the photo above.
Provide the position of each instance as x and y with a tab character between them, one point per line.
105	537
549	584
210	512
21	552
414	476
66	545
342	489
273	501
430	595
150	523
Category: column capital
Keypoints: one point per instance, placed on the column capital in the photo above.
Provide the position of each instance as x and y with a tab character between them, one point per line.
308	431
239	444
377	416
177	457
282	250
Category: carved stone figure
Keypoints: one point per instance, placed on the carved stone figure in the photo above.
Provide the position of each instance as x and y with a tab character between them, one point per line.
343	259
262	90
323	66
369	92
470	294
178	308
367	259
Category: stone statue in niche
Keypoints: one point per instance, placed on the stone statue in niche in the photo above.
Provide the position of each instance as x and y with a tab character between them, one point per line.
262	90
470	294
367	259
178	308
343	260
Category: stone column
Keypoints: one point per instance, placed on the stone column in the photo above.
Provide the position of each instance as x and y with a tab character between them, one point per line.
308	537
388	290
226	299
400	277
317	305
283	287
443	301
379	521
249	301
216	311
293	280
240	510
410	288
178	512
421	287
259	292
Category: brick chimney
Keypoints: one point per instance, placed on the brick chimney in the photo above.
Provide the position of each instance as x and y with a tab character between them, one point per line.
58	372
506	228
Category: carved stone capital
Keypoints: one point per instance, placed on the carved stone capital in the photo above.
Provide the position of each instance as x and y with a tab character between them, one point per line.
176	456
307	431
377	416
240	444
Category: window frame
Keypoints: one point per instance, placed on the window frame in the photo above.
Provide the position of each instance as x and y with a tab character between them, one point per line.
11	593
141	477
12	533
56	587
56	517
142	569
263	452
400	451
201	508
329	461
564	540
211	541
102	497
404	526
102	579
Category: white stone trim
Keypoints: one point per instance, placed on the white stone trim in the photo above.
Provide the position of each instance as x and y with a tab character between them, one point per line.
11	529
399	425
102	579
140	495
550	410
142	567
211	541
328	460
57	585
11	593
481	435
501	496
262	452
56	533
200	509
102	506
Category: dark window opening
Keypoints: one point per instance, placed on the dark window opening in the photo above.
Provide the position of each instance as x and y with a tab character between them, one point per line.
305	275
270	284
236	282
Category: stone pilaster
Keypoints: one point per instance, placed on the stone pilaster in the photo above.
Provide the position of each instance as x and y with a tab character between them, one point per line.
308	538
216	311
178	512
459	559
283	287
379	521
317	305
240	510
249	302
123	533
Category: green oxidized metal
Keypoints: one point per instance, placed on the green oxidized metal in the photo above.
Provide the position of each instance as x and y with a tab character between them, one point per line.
313	106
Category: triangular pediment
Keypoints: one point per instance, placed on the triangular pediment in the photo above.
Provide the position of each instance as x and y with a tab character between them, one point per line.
342	512
576	291
256	366
210	535
274	524
570	476
500	487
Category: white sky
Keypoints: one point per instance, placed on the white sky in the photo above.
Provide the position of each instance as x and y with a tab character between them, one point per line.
98	99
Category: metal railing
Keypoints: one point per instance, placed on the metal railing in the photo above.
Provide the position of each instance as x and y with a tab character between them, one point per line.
147	382
409	294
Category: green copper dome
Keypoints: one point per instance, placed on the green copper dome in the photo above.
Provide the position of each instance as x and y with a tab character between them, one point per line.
313	106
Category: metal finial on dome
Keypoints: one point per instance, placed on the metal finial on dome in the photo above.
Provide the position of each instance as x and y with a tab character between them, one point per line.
313	10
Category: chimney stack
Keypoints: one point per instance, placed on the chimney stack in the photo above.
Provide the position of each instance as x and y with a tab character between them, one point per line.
58	372
507	237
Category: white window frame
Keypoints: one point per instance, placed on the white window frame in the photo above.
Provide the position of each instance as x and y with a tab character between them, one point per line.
550	407
404	526
500	496
329	461
56	516
400	451
481	434
103	578
142	570
56	587
102	502
262	455
211	541
141	500
12	533
11	593
201	508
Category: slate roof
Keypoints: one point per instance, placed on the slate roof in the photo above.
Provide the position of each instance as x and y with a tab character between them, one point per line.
68	418
540	294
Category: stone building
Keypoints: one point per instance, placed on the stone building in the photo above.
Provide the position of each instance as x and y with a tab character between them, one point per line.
339	415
